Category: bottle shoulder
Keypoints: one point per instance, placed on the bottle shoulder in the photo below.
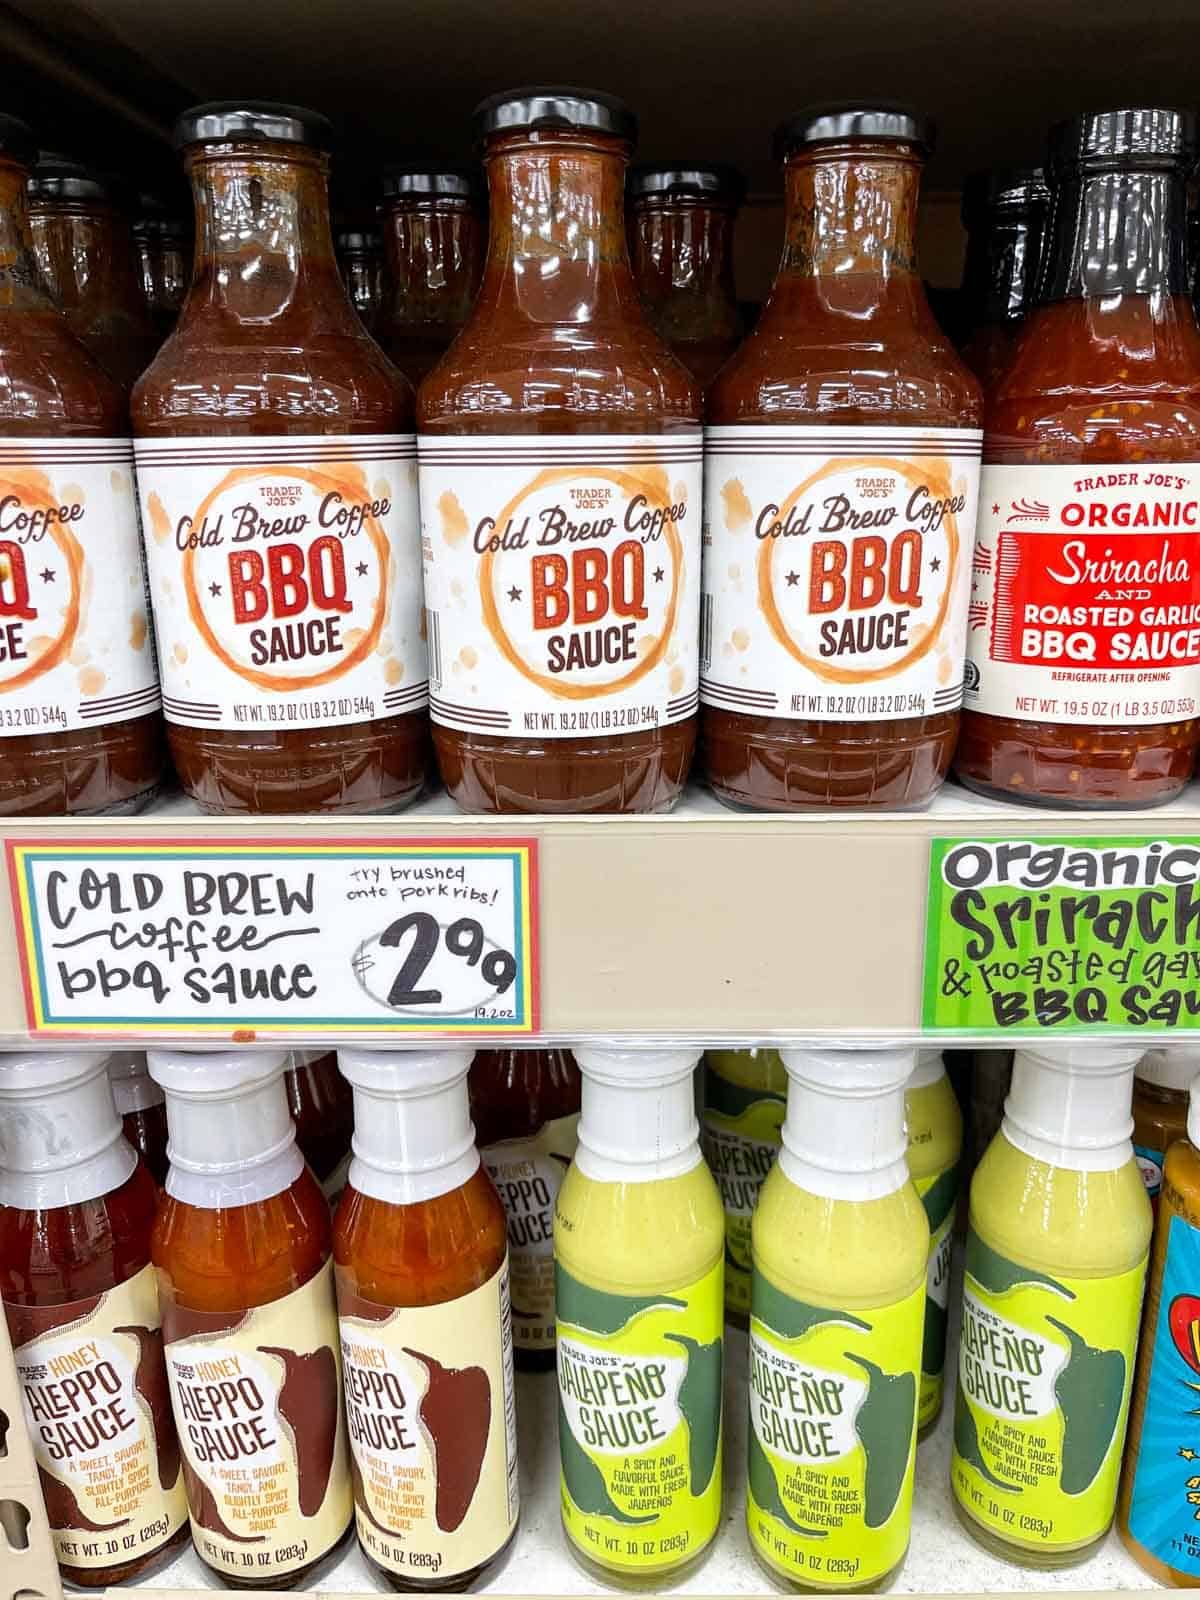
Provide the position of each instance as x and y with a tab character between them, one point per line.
628	1237
50	383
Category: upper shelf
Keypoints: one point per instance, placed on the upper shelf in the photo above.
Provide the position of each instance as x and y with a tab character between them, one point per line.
704	925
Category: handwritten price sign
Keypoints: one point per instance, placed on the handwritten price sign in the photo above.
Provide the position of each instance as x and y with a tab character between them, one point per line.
209	937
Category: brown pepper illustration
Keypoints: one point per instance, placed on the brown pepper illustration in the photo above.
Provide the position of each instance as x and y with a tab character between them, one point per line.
308	1403
150	1381
203	1507
64	1511
362	1502
456	1414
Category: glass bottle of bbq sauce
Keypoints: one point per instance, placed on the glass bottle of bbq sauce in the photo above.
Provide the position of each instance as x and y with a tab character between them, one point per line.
525	1107
80	225
76	661
76	1212
359	251
322	1107
434	225
422	1282
1004	213
142	1108
1161	1084
243	1252
1084	642
163	241
841	468
681	242
560	492
276	468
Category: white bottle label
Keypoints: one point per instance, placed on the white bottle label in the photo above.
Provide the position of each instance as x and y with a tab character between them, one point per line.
836	566
562	580
1085	594
75	646
285	578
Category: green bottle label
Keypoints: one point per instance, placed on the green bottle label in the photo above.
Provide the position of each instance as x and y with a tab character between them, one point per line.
833	1411
939	1196
1044	1372
639	1420
740	1135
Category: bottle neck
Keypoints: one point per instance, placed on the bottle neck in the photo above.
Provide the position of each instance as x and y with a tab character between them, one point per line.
434	254
1000	273
634	1132
21	285
557	252
843	1144
63	1145
683	250
264	247
412	1146
1078	1120
1116	233
234	1150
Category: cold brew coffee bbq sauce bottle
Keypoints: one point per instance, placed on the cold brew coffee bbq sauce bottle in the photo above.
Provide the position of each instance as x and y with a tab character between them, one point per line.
681	241
1084	641
841	469
1004	213
79	1295
243	1252
560	492
276	468
422	1283
80	729
434	238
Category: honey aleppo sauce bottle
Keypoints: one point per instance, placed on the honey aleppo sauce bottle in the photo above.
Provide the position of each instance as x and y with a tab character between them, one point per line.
322	1108
80	729
1084	642
245	1276
276	471
434	239
76	1210
841	469
560	492
681	241
525	1107
142	1108
422	1282
85	253
1004	213
359	252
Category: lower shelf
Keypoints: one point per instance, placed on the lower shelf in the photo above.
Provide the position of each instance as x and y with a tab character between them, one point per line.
942	1558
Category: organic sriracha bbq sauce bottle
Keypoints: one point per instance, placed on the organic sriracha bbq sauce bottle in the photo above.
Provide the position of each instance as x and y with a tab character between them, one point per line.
276	468
76	1210
422	1285
525	1107
80	729
841	469
681	240
560	492
1084	639
245	1278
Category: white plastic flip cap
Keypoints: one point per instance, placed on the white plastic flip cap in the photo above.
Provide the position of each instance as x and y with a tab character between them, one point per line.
61	1141
1069	1104
413	1138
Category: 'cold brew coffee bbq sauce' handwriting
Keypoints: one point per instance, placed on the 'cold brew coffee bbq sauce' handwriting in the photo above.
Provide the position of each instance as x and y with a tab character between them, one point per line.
842	458
277	474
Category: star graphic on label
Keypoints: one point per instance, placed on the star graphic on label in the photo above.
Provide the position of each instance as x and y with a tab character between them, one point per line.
214	589
514	593
46	575
658	574
793	578
936	564
995	511
362	569
1188	1455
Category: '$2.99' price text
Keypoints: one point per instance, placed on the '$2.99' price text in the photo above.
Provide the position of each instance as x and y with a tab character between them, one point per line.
452	970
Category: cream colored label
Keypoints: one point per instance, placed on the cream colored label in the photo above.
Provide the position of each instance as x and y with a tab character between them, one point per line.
93	1391
836	570
562	580
258	1405
433	1429
75	645
527	1174
284	571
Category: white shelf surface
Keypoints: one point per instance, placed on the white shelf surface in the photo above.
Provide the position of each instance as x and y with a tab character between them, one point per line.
942	1558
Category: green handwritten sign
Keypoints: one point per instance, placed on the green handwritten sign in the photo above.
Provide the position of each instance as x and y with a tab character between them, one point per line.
1064	935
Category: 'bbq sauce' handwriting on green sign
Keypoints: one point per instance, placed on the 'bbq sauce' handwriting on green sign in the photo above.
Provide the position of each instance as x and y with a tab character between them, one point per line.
1065	935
